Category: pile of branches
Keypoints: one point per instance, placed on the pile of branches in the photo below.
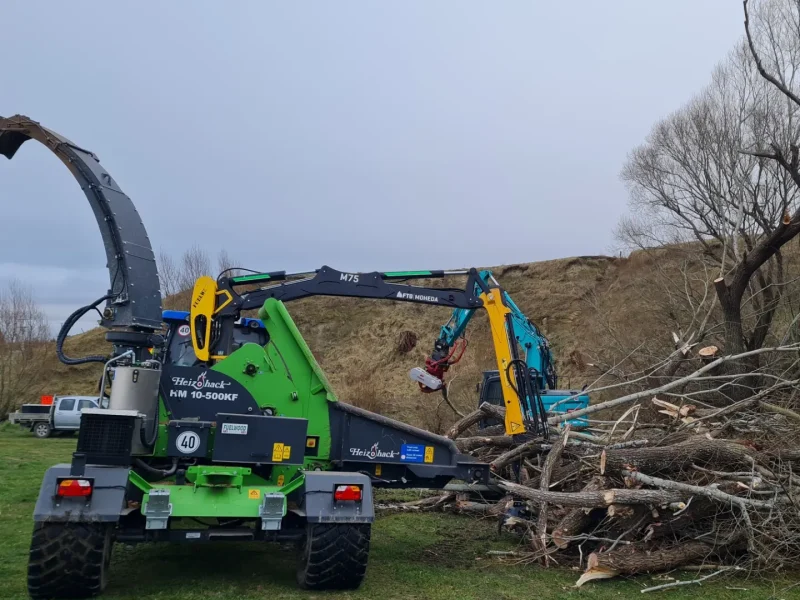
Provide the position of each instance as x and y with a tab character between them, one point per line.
696	484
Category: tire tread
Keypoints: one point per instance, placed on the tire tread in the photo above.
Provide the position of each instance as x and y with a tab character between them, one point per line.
68	560
334	556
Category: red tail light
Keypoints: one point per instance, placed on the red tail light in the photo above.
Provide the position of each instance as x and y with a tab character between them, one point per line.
347	493
74	488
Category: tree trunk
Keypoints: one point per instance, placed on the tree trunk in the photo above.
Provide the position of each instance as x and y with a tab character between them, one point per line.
598	499
469	444
665	459
576	520
544	485
639	558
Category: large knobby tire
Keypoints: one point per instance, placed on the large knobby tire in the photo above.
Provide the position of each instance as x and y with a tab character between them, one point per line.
42	430
334	556
69	560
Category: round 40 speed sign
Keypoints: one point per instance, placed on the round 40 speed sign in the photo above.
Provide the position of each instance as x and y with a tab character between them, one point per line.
187	442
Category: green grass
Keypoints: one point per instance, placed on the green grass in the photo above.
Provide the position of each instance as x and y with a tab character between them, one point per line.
421	556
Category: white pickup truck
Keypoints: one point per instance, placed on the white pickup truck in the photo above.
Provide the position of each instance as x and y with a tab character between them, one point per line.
63	415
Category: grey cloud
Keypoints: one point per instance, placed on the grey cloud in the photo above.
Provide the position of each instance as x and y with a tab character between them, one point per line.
364	135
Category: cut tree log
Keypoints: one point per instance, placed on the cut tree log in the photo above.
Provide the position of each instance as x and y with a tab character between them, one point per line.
664	459
521	451
709	492
462	425
469	444
484	411
598	499
429	503
641	558
673	526
493	411
544	485
576	520
499	429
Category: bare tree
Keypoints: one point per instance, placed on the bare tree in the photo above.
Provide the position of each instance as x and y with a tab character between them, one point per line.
194	264
692	187
226	263
168	274
24	333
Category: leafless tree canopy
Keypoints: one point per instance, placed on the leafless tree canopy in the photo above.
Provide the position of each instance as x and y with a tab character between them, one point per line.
179	275
227	264
194	264
702	184
168	273
24	332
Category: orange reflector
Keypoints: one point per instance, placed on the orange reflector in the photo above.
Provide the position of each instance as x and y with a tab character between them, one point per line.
74	488
347	493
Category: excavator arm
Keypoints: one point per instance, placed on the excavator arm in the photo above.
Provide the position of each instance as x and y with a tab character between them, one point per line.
536	348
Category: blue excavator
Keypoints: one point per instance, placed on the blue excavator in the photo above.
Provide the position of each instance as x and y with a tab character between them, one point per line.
533	355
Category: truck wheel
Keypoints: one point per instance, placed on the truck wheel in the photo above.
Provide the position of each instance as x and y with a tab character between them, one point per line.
42	430
69	560
334	556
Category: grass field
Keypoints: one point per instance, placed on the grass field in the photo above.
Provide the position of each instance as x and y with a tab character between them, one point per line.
413	556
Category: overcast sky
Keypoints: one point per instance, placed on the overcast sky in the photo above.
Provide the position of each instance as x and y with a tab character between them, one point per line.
363	135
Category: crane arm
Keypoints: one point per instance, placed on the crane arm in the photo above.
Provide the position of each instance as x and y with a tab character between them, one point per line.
217	304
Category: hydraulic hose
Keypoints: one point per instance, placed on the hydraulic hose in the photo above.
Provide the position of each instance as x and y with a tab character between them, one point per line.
527	390
64	332
157	472
149	440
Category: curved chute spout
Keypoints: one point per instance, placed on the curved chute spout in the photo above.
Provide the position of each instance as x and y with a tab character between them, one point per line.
133	300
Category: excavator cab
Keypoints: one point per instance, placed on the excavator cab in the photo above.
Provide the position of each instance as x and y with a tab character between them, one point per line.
554	401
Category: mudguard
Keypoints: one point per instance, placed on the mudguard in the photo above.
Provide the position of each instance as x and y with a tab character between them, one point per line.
105	504
315	499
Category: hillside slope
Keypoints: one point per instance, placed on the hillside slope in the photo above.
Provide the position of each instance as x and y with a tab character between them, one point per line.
355	341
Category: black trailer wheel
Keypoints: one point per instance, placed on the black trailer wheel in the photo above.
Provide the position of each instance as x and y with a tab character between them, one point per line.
42	430
69	560
334	556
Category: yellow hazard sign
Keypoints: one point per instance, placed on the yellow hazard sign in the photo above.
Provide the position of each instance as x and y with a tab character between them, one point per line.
287	452
428	454
311	442
277	452
254	494
281	479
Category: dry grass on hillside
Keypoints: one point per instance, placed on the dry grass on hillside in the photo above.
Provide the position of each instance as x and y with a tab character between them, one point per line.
576	301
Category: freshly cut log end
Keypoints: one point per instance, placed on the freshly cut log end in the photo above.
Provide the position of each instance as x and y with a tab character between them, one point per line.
596	573
708	352
642	558
620	511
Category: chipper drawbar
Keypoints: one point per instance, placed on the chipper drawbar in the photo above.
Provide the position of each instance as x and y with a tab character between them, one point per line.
252	445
